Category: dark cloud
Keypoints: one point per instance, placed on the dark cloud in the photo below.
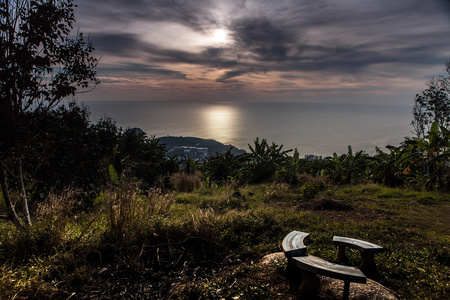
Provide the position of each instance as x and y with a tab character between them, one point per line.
213	52
266	40
192	13
231	74
145	70
117	43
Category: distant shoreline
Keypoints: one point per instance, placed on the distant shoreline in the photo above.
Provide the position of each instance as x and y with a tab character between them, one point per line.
171	142
312	128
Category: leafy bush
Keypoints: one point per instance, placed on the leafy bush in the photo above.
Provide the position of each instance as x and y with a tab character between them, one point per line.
225	168
264	161
66	151
311	190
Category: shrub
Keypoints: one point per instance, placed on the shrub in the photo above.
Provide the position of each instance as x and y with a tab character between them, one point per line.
185	182
310	190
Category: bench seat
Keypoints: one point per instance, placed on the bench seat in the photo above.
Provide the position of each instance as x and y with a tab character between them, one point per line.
294	244
312	265
357	244
319	266
366	249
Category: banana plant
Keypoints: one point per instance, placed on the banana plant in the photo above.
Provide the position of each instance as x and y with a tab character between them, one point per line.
432	163
346	168
225	167
391	168
265	160
291	168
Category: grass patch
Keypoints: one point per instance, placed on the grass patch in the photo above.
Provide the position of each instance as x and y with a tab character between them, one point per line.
205	244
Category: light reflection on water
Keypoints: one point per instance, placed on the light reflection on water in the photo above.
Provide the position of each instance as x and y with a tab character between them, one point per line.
220	122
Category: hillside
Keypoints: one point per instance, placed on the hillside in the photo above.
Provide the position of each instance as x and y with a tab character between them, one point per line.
208	244
212	145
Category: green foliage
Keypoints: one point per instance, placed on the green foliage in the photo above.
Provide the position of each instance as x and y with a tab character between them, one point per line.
431	167
204	244
347	168
389	168
234	285
225	168
66	150
264	161
291	168
432	105
311	190
113	175
142	159
189	164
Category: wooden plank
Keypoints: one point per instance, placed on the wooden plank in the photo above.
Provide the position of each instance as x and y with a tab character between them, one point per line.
319	266
294	244
357	244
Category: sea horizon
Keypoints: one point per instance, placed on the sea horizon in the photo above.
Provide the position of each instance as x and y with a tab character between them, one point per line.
313	128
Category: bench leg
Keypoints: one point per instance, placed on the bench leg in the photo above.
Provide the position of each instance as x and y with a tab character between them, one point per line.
310	284
346	290
291	271
368	263
342	259
293	274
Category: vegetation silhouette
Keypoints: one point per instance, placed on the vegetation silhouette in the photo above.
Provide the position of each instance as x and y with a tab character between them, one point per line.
40	64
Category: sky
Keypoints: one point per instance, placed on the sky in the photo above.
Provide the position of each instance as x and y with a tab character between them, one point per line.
347	51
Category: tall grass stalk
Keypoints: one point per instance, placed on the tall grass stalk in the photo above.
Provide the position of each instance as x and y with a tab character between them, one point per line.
128	209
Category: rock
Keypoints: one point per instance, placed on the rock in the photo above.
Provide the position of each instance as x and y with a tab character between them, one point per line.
331	288
272	258
358	291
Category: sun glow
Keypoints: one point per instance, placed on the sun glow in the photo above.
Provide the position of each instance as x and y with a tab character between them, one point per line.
220	36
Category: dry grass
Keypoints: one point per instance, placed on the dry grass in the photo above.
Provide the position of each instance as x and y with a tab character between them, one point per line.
185	182
127	209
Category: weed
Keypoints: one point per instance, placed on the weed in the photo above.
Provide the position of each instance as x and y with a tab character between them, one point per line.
311	190
276	190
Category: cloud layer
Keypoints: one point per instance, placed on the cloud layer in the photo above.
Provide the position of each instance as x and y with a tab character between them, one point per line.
287	50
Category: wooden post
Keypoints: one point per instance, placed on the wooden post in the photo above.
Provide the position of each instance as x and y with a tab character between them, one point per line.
342	259
346	290
368	262
310	284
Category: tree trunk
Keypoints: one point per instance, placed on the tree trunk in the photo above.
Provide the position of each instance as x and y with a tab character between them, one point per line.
23	196
12	215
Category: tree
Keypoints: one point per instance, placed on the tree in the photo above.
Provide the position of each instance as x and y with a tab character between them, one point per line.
40	64
224	168
391	168
142	158
346	168
64	150
291	168
432	105
265	160
431	167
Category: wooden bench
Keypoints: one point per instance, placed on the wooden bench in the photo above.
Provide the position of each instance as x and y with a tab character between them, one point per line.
311	265
294	244
294	249
367	250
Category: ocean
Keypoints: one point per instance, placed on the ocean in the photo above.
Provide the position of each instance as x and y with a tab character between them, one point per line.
312	128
